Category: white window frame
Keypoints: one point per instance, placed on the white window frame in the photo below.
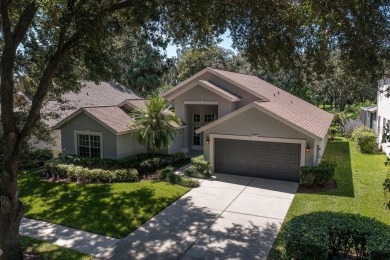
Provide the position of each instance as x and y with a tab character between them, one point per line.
214	116
193	118
200	146
87	132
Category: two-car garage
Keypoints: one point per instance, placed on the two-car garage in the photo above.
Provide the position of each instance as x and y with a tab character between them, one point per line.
264	159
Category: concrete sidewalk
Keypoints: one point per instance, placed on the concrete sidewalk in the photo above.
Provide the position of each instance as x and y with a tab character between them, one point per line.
78	240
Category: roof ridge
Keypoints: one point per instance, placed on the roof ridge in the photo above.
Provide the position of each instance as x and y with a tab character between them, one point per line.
100	106
241	73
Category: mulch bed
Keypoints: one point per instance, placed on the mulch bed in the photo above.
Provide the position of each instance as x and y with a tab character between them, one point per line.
331	185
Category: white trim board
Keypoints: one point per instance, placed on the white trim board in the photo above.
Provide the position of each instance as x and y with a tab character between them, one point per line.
87	132
255	138
200	102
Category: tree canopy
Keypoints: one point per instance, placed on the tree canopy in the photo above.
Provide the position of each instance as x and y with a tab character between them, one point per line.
49	46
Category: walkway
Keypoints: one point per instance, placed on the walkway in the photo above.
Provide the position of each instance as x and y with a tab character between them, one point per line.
82	241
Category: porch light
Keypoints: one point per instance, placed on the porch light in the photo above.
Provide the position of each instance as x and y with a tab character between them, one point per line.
307	148
207	140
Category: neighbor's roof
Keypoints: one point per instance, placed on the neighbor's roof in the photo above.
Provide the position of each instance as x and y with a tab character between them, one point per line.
372	108
90	95
276	102
133	103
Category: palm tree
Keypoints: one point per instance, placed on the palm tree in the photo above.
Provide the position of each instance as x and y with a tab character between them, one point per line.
154	125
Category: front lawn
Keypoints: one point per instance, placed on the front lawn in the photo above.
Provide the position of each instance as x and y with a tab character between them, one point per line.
359	178
113	210
36	249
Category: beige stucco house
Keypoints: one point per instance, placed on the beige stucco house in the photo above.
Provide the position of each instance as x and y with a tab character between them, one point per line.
242	124
246	126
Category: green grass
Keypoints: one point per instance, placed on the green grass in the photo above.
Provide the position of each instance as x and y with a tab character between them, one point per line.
359	189
48	251
113	210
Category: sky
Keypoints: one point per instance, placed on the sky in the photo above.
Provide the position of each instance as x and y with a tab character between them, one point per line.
226	43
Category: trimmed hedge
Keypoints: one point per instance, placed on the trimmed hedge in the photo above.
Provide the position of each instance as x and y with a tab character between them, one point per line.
167	174
365	139
144	163
87	175
318	175
199	168
320	234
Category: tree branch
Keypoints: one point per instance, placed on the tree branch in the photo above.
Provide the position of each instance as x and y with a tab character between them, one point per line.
24	23
6	21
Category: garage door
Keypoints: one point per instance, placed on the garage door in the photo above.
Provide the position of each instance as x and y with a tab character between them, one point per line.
271	160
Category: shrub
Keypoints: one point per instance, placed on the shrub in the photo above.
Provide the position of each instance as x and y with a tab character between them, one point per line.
365	139
199	168
84	174
167	174
317	235
144	163
318	175
33	159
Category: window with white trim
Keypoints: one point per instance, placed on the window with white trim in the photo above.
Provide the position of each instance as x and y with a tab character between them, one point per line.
89	144
209	118
196	118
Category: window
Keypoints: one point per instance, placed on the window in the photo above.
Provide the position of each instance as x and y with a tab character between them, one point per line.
88	144
196	137
209	118
196	118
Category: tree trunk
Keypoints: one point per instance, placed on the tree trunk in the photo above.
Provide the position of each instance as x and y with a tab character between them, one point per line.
11	208
342	104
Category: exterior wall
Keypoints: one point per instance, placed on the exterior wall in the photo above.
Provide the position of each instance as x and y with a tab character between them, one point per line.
255	123
383	112
54	146
85	123
127	147
177	145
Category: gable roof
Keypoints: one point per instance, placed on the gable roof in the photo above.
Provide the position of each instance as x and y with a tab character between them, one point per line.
112	117
90	95
274	101
133	103
207	85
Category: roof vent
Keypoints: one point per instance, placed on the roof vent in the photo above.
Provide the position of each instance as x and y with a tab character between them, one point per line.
274	95
87	94
291	101
278	93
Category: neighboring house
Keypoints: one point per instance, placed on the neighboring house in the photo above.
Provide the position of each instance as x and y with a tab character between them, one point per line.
383	112
246	126
368	117
90	95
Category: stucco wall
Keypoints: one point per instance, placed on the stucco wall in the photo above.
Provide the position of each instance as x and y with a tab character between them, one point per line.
176	145
254	122
85	123
127	147
54	146
383	111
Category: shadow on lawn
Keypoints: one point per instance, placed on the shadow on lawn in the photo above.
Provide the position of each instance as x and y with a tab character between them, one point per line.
339	151
173	233
95	208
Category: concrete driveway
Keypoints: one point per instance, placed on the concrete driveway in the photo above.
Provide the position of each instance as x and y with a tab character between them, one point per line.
231	217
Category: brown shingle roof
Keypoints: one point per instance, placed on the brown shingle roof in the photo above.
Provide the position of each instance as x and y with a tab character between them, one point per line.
91	94
113	117
285	105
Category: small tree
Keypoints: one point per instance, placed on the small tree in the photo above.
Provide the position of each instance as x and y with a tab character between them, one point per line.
154	125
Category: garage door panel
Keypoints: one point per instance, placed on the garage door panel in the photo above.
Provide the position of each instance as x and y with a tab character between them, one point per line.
258	159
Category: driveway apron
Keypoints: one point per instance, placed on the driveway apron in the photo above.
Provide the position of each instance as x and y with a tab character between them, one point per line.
230	217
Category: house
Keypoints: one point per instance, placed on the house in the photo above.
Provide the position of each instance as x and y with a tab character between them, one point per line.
368	117
242	124
90	95
383	112
246	126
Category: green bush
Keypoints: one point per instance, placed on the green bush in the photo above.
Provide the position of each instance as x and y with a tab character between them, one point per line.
167	174
365	139
318	175
317	235
144	163
199	168
34	159
88	175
